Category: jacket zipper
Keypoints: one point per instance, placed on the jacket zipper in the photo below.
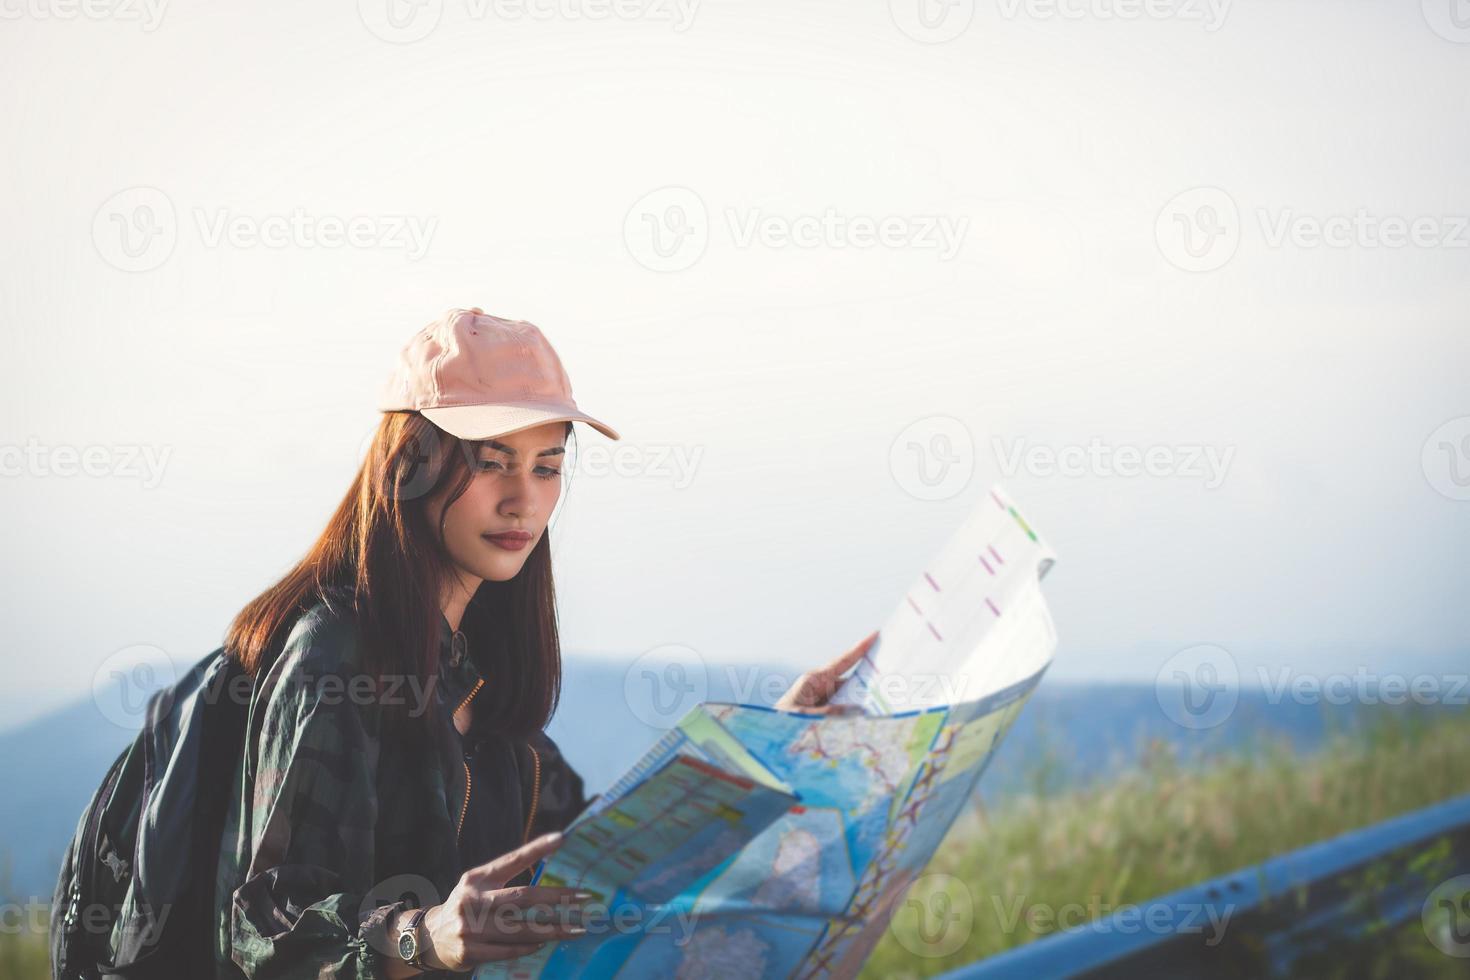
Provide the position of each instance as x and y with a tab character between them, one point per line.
468	780
465	807
535	792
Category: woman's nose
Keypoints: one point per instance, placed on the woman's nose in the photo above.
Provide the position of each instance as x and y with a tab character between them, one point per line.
518	501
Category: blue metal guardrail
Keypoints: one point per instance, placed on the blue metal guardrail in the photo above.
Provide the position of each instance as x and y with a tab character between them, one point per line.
1278	915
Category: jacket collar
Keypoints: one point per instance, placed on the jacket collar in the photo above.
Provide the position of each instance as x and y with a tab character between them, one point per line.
459	679
455	680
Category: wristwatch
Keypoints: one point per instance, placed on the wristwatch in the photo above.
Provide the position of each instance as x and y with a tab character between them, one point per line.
409	946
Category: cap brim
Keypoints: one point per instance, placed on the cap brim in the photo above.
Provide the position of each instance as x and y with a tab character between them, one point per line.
488	421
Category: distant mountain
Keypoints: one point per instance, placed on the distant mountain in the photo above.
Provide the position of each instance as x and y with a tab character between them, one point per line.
52	765
611	711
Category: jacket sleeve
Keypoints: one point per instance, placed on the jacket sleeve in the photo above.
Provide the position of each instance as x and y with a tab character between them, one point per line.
306	908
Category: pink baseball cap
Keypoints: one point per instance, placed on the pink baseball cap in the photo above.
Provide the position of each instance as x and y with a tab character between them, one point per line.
476	376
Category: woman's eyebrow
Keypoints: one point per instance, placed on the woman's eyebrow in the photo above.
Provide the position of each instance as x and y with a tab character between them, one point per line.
502	447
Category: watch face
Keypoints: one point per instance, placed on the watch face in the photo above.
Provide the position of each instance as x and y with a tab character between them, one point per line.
406	946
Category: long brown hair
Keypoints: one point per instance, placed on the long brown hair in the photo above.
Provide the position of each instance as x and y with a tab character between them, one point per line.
381	551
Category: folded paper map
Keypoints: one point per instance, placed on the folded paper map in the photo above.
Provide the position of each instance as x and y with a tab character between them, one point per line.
750	842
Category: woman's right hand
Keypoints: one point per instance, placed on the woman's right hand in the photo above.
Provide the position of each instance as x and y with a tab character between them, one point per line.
482	920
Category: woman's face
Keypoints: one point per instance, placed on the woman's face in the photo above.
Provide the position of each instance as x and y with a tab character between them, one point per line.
515	483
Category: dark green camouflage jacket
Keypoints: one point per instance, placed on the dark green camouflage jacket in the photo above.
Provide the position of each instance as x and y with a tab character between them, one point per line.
333	828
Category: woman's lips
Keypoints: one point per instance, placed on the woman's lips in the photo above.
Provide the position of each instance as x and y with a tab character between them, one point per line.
510	541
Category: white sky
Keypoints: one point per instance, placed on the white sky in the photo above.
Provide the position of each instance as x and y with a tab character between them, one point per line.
786	372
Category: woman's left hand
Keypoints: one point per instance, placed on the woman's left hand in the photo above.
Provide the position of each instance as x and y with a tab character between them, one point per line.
812	690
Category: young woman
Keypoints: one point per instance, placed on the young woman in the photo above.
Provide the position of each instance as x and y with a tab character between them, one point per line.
396	787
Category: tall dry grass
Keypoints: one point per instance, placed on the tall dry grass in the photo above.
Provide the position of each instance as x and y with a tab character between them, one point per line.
1166	825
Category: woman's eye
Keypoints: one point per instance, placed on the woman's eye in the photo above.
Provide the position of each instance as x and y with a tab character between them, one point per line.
545	472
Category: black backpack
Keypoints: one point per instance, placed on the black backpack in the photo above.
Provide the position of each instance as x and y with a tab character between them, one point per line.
134	897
